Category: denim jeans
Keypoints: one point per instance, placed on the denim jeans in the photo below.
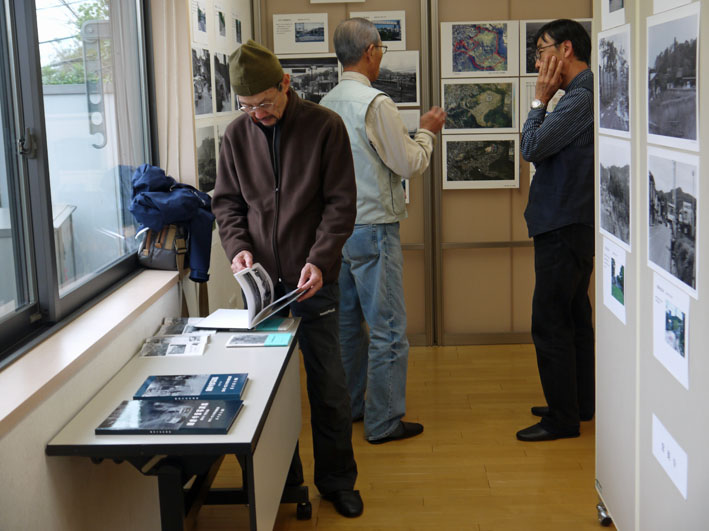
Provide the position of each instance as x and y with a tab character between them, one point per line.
562	326
375	356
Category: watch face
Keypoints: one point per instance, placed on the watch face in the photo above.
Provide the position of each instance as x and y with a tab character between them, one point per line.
537	104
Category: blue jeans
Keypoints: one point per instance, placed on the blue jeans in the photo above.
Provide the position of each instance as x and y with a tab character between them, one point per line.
375	360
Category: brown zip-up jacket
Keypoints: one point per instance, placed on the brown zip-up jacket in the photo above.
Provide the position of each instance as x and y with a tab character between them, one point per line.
297	209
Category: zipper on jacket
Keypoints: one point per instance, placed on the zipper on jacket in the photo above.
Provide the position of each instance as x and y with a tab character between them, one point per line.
277	191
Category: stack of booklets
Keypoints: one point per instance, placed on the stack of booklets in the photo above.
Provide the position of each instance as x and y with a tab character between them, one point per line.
179	404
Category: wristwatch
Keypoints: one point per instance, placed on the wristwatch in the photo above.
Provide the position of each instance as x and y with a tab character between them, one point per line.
537	104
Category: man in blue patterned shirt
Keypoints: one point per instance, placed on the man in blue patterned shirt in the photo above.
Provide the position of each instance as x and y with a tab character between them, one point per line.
560	218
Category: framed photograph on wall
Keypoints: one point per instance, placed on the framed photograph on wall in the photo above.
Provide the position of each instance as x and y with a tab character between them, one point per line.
480	106
399	77
390	24
528	45
614	160
673	216
527	93
672	80
614	68
612	13
300	33
480	161
206	157
479	49
202	81
311	76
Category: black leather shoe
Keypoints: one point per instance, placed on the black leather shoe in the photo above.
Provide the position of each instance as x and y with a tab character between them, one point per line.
543	411
537	432
403	431
347	502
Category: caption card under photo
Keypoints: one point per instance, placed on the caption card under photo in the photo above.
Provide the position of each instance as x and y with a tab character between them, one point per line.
671	328
672	458
614	278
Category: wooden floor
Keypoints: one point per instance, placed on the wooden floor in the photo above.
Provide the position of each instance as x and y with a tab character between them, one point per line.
466	471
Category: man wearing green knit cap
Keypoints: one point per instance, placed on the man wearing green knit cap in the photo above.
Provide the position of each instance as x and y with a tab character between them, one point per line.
285	197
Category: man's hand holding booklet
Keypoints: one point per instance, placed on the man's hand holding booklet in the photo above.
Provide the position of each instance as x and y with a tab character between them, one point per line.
258	293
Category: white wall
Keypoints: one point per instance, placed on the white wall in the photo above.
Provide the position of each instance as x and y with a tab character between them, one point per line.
71	493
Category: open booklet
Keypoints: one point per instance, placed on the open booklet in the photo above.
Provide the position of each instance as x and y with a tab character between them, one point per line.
258	294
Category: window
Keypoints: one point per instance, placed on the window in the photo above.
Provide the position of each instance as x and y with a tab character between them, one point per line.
73	105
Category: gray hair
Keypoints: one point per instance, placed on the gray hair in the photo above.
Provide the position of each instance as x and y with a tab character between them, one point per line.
352	37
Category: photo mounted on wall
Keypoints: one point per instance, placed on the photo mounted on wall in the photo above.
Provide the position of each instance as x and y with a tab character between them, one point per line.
300	33
672	59
528	44
222	87
202	81
673	185
399	77
238	35
198	14
527	94
480	106
480	161
206	158
390	24
614	157
475	49
671	329
614	81
312	76
612	13
411	119
614	278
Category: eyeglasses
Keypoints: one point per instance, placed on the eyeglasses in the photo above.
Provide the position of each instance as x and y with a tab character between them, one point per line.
538	52
384	47
253	108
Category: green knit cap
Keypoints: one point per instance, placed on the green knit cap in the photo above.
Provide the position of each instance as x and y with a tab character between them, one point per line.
253	69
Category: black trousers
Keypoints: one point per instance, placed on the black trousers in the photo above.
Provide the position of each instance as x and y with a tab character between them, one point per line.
330	410
562	326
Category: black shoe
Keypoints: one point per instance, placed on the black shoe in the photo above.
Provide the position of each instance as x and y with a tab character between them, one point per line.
347	502
403	431
543	411
537	432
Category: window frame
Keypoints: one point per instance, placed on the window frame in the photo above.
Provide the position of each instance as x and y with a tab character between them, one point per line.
49	309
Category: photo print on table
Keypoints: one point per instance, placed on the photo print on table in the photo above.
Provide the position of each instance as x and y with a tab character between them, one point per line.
480	161
311	76
399	77
480	106
614	66
614	157
672	59
479	49
673	186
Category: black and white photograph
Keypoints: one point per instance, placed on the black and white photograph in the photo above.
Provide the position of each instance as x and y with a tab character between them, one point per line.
221	23
300	33
237	31
222	86
247	340
206	158
399	77
183	345
672	78
480	49
673	184
202	81
528	45
480	106
480	161
614	156
309	32
614	81
390	24
176	385
264	285
312	76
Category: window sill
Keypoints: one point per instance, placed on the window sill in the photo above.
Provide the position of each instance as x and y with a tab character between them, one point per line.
33	378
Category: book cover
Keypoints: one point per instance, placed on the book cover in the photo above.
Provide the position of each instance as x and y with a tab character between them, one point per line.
171	417
192	387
